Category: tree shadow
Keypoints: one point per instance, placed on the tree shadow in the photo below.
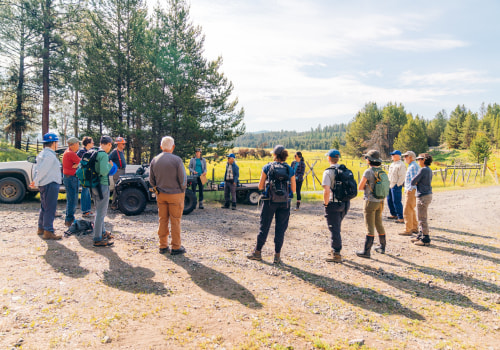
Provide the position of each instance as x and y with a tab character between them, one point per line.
64	260
122	275
464	233
458	278
487	248
365	298
419	289
216	283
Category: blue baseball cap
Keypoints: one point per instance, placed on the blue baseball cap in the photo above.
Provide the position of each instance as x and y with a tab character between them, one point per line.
333	153
231	155
50	137
396	152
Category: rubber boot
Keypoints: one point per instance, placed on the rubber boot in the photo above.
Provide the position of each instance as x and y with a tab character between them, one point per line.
368	246
381	247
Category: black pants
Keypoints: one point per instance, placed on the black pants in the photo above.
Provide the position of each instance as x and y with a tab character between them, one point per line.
335	213
298	187
200	188
282	213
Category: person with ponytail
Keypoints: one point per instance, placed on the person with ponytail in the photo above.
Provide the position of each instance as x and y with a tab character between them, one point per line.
299	168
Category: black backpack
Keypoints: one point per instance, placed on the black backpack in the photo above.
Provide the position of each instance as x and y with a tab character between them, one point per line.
279	181
79	228
345	187
86	170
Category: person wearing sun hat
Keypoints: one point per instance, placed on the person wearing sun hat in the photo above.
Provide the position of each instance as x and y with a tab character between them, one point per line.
47	177
117	156
70	162
423	182
198	167
397	172
231	177
410	203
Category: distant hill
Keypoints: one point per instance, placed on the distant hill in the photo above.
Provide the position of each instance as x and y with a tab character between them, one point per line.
318	138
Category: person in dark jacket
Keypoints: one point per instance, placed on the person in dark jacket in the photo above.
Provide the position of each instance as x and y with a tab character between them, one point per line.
231	177
198	167
117	156
423	181
299	168
85	201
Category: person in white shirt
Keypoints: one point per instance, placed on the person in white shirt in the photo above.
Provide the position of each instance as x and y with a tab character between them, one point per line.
397	173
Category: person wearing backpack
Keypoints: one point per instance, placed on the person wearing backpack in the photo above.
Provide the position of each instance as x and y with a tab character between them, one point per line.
336	200
397	172
231	177
278	181
85	200
299	168
375	185
423	181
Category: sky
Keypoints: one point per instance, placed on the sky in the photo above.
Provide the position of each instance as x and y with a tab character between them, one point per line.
297	64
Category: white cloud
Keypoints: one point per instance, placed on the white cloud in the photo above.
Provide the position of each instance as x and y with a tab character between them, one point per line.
461	77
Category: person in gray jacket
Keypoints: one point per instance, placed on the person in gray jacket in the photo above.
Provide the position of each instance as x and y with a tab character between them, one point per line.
198	167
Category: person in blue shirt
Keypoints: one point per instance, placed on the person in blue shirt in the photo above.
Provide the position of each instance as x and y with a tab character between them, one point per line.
409	213
198	167
299	168
278	208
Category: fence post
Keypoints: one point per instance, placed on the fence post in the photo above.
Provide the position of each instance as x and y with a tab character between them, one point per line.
27	144
484	166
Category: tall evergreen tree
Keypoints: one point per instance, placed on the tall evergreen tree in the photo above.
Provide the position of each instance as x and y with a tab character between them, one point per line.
413	136
453	130
436	127
469	129
360	129
480	148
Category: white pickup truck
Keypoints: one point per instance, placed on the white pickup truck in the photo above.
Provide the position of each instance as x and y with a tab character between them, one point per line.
15	178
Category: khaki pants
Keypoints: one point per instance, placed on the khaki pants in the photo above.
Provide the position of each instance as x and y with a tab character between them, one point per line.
373	218
409	213
422	206
170	207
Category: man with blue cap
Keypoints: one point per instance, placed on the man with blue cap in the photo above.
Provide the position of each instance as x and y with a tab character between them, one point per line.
231	177
47	177
397	173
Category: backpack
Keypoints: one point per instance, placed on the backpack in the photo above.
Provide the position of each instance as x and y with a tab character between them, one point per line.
382	184
344	188
86	169
279	180
80	227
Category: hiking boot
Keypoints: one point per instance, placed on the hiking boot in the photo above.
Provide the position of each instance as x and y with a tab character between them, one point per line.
225	206
164	250
181	250
50	235
400	221
201	205
404	233
277	260
424	241
368	246
233	207
333	257
103	243
108	235
381	247
255	255
40	231
68	223
418	237
88	214
392	217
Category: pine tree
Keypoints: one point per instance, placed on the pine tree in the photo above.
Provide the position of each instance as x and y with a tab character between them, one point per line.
469	129
360	129
453	130
413	136
480	148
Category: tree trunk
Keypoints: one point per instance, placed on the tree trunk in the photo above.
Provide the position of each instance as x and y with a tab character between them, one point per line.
19	99
46	64
75	121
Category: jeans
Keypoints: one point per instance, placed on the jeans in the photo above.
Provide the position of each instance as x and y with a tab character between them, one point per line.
394	201
229	187
85	201
101	209
269	210
170	207
422	206
71	183
200	188
373	218
298	187
48	206
334	214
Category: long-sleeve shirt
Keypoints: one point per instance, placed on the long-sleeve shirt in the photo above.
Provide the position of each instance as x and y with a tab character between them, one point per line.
192	166
397	172
102	167
47	168
411	172
167	173
69	159
423	181
118	157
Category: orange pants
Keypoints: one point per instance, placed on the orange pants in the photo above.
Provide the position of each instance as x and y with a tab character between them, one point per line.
170	207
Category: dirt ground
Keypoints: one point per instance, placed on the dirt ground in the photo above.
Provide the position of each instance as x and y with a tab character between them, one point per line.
69	295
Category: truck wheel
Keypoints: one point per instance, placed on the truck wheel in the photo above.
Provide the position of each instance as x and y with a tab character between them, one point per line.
11	190
253	197
132	201
189	202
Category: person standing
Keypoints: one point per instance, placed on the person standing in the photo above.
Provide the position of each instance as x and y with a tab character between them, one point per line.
168	178
100	193
198	167
423	181
280	209
231	177
299	168
70	162
409	213
373	207
335	211
117	156
397	173
85	201
47	177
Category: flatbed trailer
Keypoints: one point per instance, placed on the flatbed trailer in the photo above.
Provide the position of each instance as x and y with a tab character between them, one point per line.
246	191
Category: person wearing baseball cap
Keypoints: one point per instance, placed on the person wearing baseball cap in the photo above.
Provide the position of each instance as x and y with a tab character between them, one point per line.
117	156
70	162
397	173
47	177
231	177
423	182
198	167
409	212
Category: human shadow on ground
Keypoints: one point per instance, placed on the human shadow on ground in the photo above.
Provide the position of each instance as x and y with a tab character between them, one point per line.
64	260
417	288
464	253
215	283
365	298
458	278
463	233
486	248
122	275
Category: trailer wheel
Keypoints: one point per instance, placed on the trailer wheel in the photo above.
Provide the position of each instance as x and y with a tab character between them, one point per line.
189	202
132	201
253	197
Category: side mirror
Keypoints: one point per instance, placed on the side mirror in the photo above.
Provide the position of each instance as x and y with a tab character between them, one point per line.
32	159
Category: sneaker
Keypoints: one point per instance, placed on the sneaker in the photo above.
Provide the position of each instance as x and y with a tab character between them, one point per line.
404	233
400	221
108	235
164	250
255	255
181	250
418	237
201	206
392	217
423	241
103	243
333	257
88	214
277	261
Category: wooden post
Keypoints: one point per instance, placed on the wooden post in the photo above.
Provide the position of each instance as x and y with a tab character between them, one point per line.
468	176
443	177
453	176
359	177
475	176
484	166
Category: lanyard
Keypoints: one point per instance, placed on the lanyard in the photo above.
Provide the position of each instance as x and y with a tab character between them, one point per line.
119	159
